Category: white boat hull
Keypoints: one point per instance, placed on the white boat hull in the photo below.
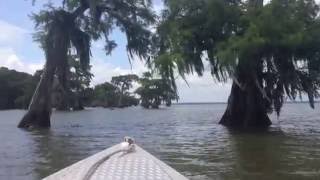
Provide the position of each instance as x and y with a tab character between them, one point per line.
136	165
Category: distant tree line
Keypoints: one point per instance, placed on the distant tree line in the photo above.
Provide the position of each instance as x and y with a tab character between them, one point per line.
17	88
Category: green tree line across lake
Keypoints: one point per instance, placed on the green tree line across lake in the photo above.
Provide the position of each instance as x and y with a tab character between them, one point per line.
17	88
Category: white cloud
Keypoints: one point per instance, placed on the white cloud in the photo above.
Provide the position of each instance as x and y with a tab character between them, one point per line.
98	44
9	59
103	70
158	6
203	89
10	34
200	89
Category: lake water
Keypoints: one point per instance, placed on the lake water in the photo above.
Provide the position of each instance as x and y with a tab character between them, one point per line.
187	137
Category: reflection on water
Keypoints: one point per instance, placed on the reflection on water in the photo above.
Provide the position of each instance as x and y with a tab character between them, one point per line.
187	137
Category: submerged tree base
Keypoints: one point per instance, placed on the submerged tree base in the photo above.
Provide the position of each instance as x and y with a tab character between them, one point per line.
245	109
38	119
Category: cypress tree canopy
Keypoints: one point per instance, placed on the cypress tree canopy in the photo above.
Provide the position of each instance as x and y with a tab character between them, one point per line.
69	29
86	20
275	46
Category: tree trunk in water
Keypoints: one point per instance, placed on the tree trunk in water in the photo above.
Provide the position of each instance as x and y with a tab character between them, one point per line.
39	111
63	104
78	107
120	104
120	101
77	104
56	47
60	98
245	108
61	72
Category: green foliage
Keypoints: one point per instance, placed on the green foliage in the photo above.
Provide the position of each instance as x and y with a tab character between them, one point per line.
274	47
105	95
154	91
116	93
124	83
191	31
131	17
279	48
79	78
73	93
16	88
70	29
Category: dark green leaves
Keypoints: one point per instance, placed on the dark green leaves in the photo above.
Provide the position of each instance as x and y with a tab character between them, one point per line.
154	91
276	45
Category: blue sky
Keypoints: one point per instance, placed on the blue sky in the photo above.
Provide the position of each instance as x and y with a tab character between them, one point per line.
18	51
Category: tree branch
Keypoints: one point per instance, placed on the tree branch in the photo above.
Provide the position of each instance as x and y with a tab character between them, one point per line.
263	92
235	80
81	9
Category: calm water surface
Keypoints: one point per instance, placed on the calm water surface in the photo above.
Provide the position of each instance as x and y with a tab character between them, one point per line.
187	137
